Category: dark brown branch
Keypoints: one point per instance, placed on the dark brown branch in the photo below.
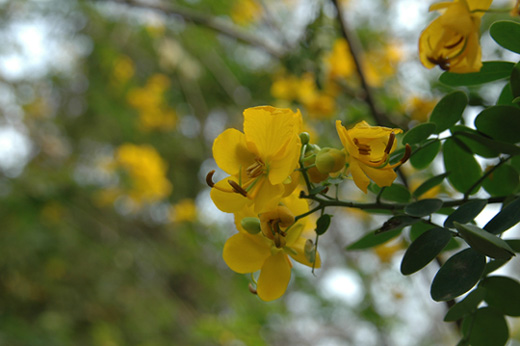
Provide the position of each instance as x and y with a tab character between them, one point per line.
206	21
355	51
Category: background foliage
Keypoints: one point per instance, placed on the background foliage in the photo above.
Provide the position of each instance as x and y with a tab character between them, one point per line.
108	113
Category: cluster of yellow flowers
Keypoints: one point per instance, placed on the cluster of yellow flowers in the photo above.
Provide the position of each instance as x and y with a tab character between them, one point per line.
142	174
267	164
154	112
321	102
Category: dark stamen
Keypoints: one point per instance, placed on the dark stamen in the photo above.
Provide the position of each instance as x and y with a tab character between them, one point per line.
237	188
209	178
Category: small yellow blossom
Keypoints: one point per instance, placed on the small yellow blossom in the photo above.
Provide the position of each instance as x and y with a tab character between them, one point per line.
386	251
269	251
452	40
259	161
149	101
420	108
339	61
146	171
245	12
184	210
123	70
368	149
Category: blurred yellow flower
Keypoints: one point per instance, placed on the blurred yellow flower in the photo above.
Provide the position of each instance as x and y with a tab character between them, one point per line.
244	12
339	61
123	70
269	250
259	161
154	112
368	149
386	251
146	173
419	108
452	40
184	210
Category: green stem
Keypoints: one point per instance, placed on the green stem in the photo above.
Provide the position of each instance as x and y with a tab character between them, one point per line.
481	179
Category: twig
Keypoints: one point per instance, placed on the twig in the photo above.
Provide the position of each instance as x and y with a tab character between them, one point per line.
355	50
206	21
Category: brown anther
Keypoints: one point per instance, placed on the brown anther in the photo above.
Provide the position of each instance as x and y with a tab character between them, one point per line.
252	289
209	178
407	153
256	169
364	149
455	44
390	144
325	190
237	188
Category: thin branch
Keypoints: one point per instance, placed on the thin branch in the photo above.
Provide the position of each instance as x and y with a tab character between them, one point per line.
355	51
206	21
484	176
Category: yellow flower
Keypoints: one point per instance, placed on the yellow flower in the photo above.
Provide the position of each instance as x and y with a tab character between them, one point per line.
259	161
245	12
146	172
184	210
368	149
269	250
452	40
339	61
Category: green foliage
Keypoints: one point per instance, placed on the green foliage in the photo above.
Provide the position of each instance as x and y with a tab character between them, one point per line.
463	167
458	275
424	249
448	111
491	71
505	33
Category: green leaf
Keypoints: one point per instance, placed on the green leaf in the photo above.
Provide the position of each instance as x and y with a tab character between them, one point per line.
506	33
425	154
448	111
487	327
466	212
485	242
493	265
419	133
373	239
419	228
398	221
460	272
429	184
500	123
490	71
515	82
503	181
424	249
463	166
485	146
514	244
506	96
503	293
465	306
323	223
474	141
505	219
396	193
423	207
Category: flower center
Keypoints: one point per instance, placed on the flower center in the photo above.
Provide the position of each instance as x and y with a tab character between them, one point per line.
363	149
256	169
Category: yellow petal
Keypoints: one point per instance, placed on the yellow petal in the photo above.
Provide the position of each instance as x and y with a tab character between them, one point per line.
228	202
267	197
440	6
428	40
360	178
479	5
285	162
382	177
230	151
268	130
245	253
299	247
274	277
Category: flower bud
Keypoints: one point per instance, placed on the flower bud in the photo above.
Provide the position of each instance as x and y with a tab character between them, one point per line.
330	160
314	175
305	137
251	224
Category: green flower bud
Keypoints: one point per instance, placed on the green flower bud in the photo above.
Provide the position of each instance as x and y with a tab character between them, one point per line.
251	224
330	160
305	137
